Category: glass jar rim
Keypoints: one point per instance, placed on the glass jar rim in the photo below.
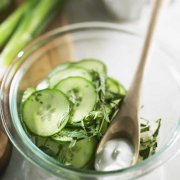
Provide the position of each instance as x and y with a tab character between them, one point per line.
54	166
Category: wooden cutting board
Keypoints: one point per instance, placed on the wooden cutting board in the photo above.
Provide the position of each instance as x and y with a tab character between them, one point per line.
58	21
5	151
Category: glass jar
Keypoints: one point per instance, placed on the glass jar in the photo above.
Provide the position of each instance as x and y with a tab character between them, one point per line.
120	50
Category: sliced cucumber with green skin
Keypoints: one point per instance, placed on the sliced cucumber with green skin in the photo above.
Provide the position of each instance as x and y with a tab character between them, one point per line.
27	93
68	72
82	93
47	145
42	85
59	68
112	85
122	89
79	155
97	66
115	86
46	112
92	65
113	95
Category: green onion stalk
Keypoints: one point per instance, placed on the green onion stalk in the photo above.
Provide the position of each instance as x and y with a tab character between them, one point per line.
34	17
12	22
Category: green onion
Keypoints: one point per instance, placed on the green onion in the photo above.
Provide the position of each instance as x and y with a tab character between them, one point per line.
33	23
9	25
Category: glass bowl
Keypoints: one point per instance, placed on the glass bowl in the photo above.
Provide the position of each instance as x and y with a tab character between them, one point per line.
120	51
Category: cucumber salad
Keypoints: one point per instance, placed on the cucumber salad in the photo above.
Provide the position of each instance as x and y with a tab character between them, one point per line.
68	112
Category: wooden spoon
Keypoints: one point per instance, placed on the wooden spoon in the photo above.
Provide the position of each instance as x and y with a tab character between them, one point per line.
126	122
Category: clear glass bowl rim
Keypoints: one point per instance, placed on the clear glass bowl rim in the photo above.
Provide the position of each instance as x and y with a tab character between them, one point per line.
163	155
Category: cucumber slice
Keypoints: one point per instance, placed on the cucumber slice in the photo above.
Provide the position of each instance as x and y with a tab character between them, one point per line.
42	85
122	89
79	155
71	71
59	68
46	112
97	66
113	96
93	65
82	93
115	86
112	85
47	145
27	93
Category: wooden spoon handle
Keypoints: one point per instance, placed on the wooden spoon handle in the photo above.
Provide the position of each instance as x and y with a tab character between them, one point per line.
137	81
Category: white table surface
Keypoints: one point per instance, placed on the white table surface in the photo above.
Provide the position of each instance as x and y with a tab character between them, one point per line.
169	38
